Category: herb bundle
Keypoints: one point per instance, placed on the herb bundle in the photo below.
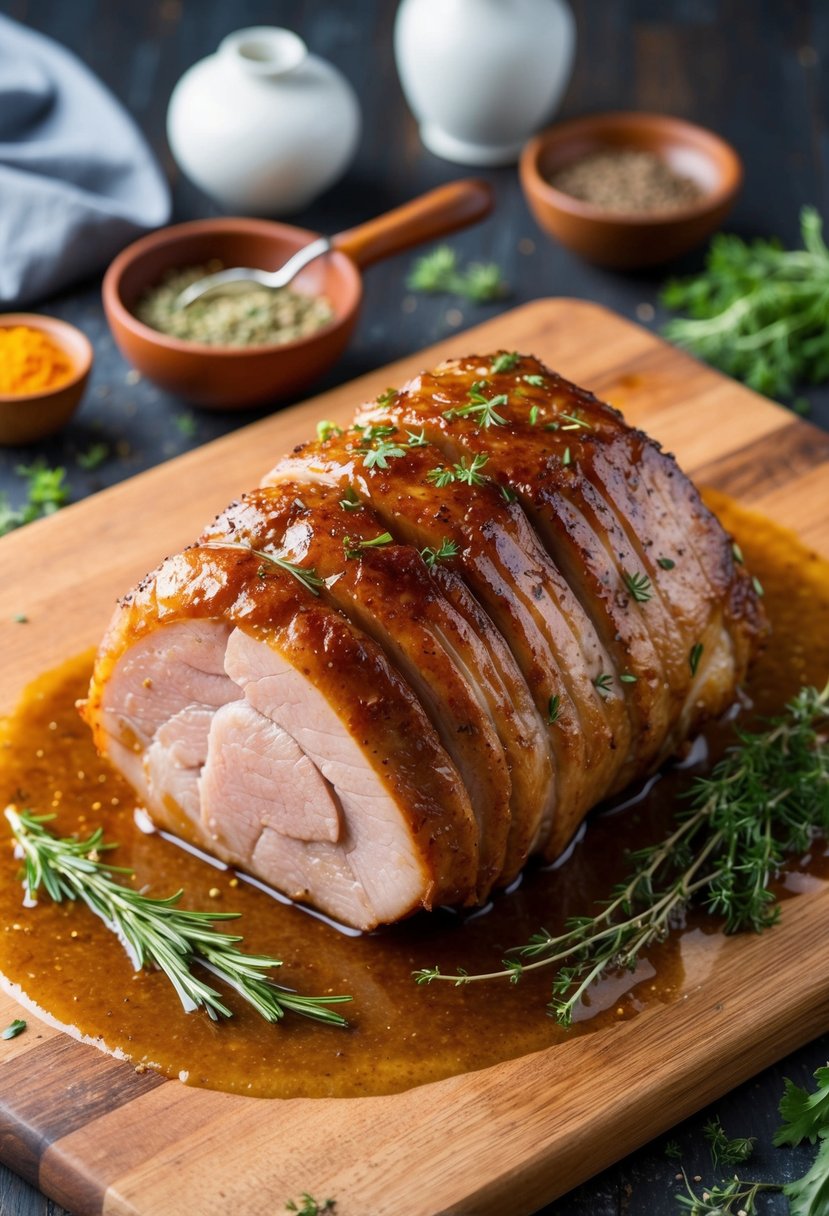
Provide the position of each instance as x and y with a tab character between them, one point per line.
759	311
768	797
157	931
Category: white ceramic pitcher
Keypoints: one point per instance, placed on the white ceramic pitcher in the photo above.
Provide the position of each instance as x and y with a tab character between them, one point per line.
482	75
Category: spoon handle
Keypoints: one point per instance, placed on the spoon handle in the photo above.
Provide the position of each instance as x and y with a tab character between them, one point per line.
436	213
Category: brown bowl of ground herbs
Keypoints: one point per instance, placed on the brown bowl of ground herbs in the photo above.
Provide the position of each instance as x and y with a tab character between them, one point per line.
629	190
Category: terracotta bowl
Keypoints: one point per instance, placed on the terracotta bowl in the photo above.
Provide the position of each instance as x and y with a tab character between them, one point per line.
629	241
27	417
228	377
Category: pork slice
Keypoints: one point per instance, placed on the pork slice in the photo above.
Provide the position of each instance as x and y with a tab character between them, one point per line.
329	719
385	589
423	515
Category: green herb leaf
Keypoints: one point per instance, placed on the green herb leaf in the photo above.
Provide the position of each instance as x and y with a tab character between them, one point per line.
809	1195
665	563
805	1116
45	494
310	1206
308	577
353	548
447	549
723	1150
93	457
186	425
417	440
505	362
350	500
13	1029
326	428
155	931
483	409
639	586
694	656
438	273
535	380
553	710
758	311
604	684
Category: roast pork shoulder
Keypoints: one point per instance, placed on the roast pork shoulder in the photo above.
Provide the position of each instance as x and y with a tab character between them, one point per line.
427	644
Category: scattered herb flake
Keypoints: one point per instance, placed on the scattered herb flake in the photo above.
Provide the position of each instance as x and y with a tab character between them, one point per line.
326	428
13	1029
93	457
505	362
666	563
186	425
447	549
639	586
353	548
553	710
694	657
604	684
438	273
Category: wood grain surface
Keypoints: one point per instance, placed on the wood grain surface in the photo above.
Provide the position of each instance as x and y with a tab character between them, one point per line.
96	1136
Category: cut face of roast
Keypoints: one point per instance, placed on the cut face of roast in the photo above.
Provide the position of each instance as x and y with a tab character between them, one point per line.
427	645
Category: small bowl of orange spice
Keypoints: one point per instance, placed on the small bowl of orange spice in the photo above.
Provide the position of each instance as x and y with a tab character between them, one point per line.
44	367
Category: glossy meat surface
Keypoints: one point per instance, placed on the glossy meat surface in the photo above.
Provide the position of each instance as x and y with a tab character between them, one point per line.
428	644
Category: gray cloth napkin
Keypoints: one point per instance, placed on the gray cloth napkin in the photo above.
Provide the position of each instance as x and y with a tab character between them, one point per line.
77	180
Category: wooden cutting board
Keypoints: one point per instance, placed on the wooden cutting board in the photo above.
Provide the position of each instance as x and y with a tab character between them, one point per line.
97	1137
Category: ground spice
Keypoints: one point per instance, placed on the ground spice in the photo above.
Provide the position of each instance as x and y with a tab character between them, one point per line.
627	182
249	316
30	362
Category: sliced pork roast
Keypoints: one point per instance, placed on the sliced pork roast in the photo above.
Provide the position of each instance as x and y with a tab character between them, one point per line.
427	645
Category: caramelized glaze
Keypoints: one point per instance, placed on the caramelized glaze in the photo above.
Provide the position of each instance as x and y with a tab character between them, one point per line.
67	963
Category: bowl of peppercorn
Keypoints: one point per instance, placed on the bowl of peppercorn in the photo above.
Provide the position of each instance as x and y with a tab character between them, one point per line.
629	190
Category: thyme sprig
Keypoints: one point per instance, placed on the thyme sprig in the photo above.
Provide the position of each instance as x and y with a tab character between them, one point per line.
482	408
305	575
157	931
767	798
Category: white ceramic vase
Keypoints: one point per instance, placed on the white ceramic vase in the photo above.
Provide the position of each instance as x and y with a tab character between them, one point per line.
482	75
262	126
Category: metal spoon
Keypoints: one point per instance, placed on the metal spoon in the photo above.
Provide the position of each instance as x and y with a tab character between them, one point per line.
227	281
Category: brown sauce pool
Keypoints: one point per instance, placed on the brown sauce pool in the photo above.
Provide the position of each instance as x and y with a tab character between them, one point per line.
64	961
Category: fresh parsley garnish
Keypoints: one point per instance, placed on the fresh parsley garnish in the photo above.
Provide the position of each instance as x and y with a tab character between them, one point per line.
758	311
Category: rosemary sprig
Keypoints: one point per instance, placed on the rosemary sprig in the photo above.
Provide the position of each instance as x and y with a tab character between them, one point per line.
157	931
431	555
768	797
305	575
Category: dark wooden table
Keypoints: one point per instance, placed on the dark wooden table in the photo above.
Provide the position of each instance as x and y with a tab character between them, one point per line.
751	71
